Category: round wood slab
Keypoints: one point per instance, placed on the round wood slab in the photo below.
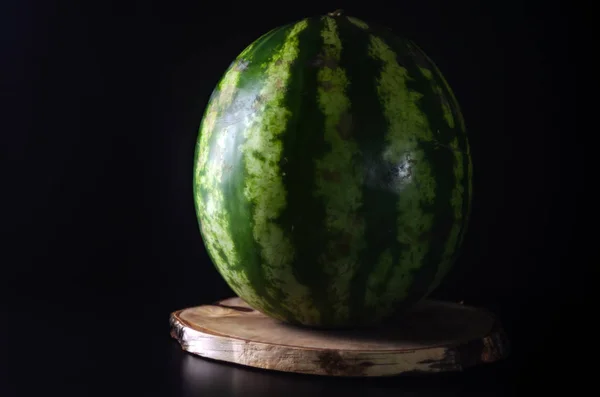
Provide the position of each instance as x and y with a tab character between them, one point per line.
435	336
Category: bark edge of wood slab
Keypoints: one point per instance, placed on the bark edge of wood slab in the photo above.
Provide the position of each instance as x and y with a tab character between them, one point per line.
435	336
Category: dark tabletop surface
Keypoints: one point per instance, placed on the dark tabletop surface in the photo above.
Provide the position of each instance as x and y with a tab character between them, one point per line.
110	350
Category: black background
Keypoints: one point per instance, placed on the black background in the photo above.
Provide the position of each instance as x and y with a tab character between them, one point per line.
101	240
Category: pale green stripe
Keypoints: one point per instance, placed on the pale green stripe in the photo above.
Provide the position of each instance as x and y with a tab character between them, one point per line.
456	200
264	183
209	173
416	185
438	90
358	22
339	179
461	121
261	40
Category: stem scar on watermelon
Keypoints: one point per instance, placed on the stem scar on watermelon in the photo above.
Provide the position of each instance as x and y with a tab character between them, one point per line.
332	174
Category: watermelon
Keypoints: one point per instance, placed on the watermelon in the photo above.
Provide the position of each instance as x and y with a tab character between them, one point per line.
332	174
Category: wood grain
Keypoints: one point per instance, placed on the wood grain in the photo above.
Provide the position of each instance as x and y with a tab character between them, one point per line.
434	336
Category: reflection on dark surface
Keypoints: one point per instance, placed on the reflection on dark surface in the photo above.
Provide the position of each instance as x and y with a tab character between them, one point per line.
203	377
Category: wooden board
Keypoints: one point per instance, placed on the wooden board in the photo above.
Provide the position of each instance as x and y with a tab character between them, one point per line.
435	336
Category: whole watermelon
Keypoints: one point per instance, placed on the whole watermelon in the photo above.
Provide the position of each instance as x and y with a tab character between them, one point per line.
332	175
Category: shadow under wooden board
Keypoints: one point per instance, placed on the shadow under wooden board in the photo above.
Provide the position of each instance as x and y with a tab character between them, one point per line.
435	336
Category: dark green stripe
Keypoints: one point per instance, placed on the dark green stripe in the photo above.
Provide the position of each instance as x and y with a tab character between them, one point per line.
256	46
461	133
442	162
265	184
215	228
340	170
465	158
379	199
250	65
413	179
461	154
301	145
